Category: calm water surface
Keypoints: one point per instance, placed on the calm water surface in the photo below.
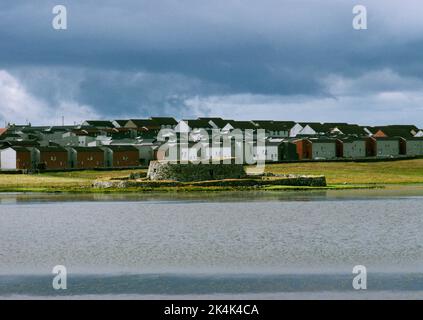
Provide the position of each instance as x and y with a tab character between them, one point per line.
241	245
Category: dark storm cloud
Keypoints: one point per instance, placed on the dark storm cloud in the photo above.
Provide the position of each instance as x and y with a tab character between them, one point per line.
136	56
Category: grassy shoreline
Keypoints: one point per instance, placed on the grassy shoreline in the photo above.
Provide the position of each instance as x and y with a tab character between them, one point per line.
339	176
181	189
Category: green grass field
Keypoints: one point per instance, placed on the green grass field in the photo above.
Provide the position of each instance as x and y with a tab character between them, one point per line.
337	173
387	172
59	180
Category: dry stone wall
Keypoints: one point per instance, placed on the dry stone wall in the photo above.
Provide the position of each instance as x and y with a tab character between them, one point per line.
161	170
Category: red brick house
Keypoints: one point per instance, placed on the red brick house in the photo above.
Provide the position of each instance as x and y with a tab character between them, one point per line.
121	156
52	158
86	157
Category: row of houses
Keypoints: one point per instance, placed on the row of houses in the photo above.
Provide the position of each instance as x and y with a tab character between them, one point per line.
355	148
15	157
91	130
133	142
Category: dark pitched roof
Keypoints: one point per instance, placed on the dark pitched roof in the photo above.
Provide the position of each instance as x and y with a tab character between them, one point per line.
34	129
198	124
351	139
121	122
414	138
16	148
262	121
387	138
23	143
121	148
317	126
60	128
351	129
88	149
100	123
85	132
10	135
274	143
322	140
242	125
395	130
92	128
274	125
269	126
303	124
392	131
51	149
279	122
335	124
28	127
404	126
33	137
144	123
165	121
219	122
147	134
288	124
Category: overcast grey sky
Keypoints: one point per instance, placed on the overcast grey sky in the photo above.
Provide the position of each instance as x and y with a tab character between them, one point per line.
267	59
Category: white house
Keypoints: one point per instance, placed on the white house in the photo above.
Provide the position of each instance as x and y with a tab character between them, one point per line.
313	128
216	123
296	129
16	158
228	127
419	133
307	130
182	126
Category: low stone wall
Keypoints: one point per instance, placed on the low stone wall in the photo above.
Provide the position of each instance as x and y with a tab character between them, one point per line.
305	181
161	170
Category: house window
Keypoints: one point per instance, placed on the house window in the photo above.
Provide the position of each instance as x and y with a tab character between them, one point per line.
125	158
53	158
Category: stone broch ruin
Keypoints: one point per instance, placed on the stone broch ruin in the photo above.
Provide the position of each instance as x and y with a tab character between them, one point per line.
166	170
174	174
